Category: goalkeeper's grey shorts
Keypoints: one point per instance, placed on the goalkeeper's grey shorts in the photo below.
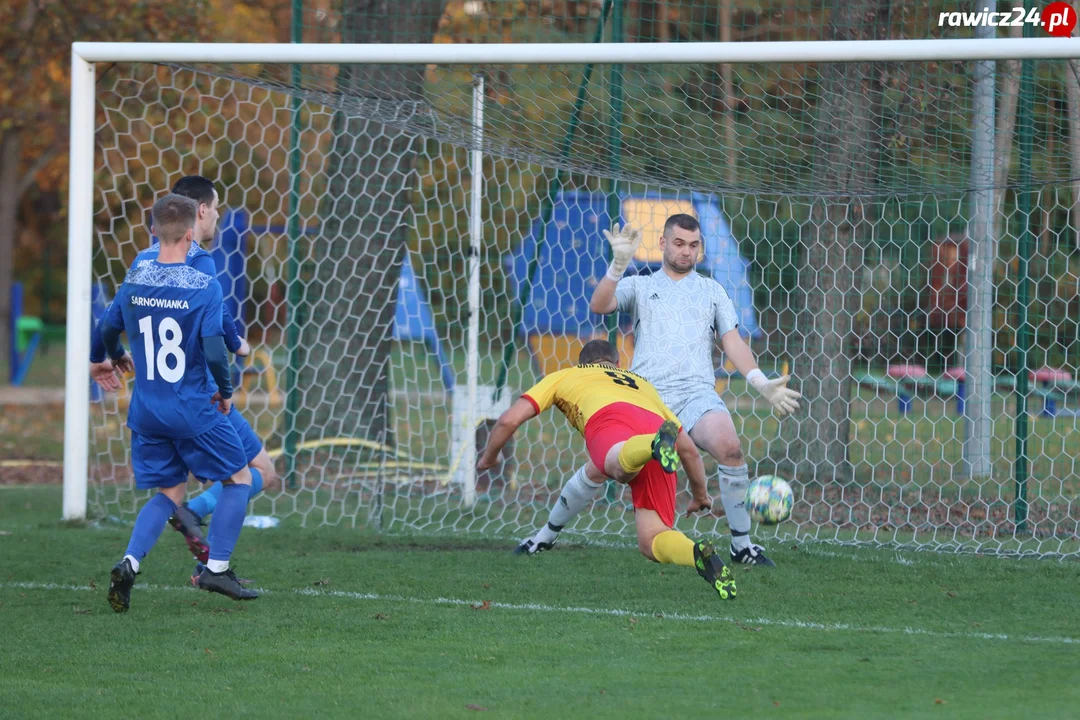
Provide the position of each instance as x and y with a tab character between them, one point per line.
690	408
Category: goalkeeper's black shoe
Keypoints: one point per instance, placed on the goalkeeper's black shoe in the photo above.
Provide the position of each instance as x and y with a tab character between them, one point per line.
753	555
121	579
709	566
188	524
531	547
224	583
663	446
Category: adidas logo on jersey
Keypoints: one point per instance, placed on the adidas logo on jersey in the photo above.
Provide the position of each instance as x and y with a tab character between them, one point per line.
654	296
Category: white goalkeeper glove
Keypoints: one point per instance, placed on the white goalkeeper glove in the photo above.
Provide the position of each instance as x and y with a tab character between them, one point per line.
782	399
624	243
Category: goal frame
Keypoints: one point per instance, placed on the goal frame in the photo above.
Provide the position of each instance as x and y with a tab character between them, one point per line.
86	55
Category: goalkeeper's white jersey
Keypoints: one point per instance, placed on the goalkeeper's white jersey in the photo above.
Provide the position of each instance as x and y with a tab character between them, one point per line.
675	324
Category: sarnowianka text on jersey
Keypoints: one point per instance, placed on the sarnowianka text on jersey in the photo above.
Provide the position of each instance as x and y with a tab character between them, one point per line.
163	303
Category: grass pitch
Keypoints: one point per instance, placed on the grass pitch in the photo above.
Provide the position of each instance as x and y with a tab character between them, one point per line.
352	625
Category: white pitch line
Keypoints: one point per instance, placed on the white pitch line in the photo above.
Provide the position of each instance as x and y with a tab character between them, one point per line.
896	559
610	612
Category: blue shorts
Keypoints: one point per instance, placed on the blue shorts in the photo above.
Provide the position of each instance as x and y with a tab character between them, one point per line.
163	462
251	442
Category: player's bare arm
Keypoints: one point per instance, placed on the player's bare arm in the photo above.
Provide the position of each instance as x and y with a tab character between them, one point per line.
782	399
695	472
603	297
738	352
504	429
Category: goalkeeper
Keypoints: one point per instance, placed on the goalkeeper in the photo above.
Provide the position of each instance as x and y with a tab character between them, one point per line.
632	438
676	315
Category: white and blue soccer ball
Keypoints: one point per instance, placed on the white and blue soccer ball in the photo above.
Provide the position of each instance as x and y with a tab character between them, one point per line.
769	499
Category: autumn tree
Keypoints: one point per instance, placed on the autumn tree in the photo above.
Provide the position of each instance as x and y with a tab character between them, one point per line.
348	312
36	37
847	146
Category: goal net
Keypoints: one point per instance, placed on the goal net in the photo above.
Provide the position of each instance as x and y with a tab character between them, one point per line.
900	237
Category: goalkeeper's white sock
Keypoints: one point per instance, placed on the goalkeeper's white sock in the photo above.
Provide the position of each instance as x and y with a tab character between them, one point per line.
733	484
578	492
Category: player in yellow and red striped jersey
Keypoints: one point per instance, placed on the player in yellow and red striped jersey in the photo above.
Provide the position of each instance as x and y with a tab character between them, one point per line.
632	438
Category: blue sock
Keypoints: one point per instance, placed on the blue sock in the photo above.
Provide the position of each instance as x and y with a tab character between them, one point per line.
149	525
229	519
256	484
204	503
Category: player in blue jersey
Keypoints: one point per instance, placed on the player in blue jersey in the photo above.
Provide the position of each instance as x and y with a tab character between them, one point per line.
172	314
189	516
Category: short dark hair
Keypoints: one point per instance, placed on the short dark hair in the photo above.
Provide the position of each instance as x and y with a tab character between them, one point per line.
196	187
173	216
683	221
598	351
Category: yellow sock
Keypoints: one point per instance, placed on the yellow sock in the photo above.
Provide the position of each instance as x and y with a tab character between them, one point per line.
673	548
635	453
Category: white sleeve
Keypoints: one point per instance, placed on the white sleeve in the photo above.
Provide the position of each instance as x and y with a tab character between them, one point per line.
727	319
626	294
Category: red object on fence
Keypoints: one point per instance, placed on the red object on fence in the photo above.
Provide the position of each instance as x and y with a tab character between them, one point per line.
948	282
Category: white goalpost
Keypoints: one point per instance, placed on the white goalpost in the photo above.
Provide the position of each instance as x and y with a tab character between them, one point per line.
495	187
